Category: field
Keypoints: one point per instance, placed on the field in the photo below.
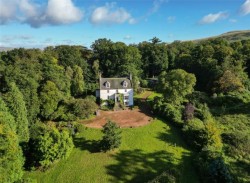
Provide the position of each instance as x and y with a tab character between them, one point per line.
145	153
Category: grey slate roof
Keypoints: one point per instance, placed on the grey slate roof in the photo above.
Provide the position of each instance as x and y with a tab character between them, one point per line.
115	83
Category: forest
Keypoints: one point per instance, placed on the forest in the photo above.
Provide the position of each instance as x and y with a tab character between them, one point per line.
205	89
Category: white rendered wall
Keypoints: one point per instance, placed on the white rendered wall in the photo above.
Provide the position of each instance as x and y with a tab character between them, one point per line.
105	95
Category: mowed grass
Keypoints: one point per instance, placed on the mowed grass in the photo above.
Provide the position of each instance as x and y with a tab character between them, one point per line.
145	152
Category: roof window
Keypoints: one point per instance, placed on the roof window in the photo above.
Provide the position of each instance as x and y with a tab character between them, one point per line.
125	84
107	84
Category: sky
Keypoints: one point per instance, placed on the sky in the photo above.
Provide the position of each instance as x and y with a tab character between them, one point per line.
41	23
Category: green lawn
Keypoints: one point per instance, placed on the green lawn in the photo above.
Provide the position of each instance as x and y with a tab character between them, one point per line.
145	152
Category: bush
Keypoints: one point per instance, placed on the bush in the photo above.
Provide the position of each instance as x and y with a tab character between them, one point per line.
194	132
218	171
213	170
48	145
198	97
238	144
111	103
112	136
144	83
168	111
83	108
172	113
165	177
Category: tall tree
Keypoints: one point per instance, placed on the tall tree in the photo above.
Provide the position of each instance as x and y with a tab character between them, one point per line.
11	159
176	84
15	102
154	57
5	117
77	86
50	97
54	72
27	75
228	82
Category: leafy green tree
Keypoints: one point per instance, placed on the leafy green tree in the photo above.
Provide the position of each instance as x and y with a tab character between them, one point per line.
15	102
77	86
228	82
27	75
102	52
50	97
54	72
5	117
48	145
154	57
112	136
83	108
194	130
176	84
72	55
11	159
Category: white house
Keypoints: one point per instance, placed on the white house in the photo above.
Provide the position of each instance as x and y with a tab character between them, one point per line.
115	88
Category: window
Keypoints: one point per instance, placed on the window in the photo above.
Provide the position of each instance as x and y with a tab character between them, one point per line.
125	90
107	84
125	84
126	97
107	91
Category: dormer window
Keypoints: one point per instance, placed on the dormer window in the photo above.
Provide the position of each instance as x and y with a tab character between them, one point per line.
107	84
125	84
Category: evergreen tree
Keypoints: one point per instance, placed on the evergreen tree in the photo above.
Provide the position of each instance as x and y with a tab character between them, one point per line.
77	86
11	159
5	117
112	136
15	102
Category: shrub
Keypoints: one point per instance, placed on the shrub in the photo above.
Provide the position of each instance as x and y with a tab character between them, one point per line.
198	97
111	103
83	108
218	171
166	176
173	113
112	136
48	145
194	132
144	83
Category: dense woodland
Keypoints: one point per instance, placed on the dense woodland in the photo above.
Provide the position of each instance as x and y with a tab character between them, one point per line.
44	92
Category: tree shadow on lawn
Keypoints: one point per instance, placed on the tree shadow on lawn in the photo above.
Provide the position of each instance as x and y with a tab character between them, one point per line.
89	145
138	166
171	136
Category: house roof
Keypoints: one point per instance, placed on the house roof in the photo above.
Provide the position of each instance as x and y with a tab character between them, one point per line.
115	83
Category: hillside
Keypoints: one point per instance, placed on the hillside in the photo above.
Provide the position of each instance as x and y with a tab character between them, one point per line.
2	48
230	36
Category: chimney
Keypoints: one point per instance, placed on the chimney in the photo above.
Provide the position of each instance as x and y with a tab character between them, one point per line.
100	79
130	77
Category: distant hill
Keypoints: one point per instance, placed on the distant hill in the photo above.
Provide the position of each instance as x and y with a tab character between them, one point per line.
230	36
5	48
